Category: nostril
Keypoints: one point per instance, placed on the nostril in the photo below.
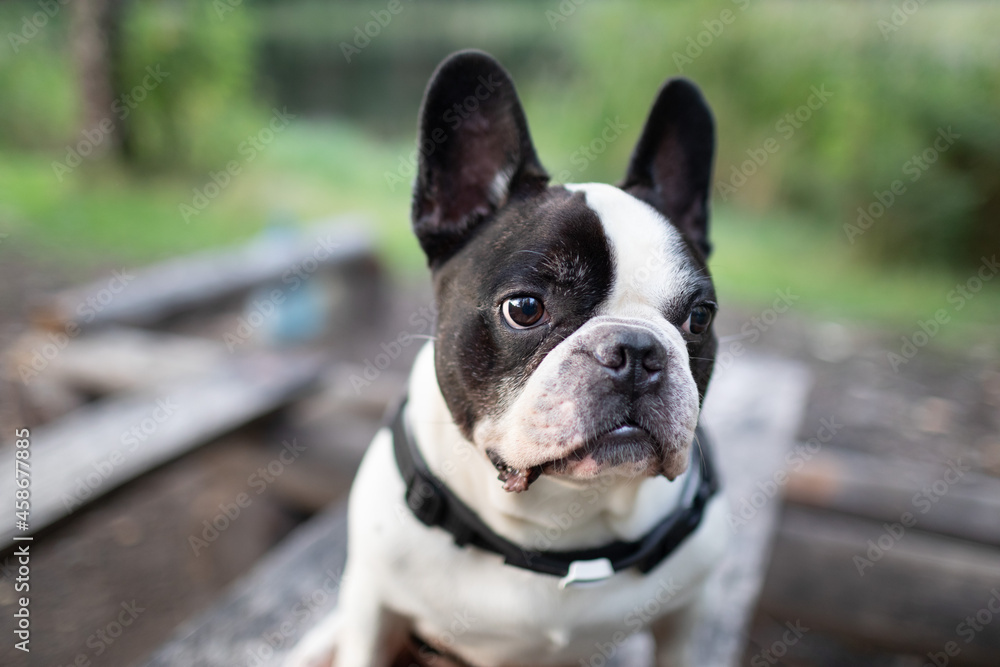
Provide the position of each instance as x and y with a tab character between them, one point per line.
655	360
611	356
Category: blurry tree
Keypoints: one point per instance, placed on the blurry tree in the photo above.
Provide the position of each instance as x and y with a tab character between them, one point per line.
186	84
173	79
96	38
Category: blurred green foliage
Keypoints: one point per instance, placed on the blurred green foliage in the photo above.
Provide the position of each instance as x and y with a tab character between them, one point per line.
192	119
577	67
896	80
38	103
203	109
893	91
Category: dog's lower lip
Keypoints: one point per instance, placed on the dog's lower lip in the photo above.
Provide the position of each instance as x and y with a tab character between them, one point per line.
627	431
622	438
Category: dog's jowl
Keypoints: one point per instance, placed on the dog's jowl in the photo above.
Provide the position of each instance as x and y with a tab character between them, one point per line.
545	477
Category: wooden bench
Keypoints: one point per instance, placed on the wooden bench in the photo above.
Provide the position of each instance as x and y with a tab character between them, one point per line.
752	411
160	395
179	285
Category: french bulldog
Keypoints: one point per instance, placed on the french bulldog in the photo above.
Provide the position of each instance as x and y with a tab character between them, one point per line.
554	412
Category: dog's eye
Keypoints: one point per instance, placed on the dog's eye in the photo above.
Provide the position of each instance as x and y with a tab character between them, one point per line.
523	312
698	321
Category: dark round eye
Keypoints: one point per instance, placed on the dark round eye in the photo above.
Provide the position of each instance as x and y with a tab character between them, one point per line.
698	320
522	312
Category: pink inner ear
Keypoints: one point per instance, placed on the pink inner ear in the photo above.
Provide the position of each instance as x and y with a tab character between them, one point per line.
482	155
671	166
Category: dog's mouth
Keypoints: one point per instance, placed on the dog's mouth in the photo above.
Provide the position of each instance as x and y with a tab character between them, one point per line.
627	445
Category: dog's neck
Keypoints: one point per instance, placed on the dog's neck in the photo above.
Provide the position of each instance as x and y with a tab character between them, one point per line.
553	514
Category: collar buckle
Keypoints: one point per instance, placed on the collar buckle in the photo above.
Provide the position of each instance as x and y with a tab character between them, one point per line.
582	572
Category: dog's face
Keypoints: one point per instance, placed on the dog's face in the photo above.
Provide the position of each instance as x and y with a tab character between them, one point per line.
574	333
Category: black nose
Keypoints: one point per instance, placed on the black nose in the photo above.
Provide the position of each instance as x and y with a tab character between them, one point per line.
634	359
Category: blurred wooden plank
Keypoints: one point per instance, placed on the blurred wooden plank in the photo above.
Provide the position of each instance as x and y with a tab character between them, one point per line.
913	598
145	296
119	358
272	607
948	498
752	411
94	449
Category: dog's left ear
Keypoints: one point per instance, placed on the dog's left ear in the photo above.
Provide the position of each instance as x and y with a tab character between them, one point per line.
671	166
475	152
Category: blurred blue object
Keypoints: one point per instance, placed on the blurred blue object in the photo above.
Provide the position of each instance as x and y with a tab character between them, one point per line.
296	309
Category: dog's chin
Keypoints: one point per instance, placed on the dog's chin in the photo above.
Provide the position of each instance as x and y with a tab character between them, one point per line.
625	451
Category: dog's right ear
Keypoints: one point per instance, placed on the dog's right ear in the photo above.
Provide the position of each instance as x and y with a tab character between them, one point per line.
671	167
475	152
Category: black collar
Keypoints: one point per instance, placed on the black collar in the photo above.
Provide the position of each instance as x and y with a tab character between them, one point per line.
435	505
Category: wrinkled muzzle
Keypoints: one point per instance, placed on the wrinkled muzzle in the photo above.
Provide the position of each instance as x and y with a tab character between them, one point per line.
616	396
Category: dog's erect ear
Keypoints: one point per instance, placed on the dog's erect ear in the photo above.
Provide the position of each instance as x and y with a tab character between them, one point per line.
475	152
671	166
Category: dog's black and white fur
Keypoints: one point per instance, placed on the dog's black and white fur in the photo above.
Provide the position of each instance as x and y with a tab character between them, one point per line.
573	348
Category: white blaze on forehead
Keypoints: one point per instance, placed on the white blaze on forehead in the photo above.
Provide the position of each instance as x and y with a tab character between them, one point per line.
651	265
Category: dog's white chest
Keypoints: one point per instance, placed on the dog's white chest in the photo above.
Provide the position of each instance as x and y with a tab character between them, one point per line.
468	603
511	617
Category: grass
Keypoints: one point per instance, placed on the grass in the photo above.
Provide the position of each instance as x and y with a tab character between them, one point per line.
99	211
754	257
101	214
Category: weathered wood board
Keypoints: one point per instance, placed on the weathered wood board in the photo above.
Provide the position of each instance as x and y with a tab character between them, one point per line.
93	450
949	498
144	296
910	590
752	411
121	359
269	610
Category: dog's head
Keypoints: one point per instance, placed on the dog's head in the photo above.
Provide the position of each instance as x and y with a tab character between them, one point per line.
574	334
